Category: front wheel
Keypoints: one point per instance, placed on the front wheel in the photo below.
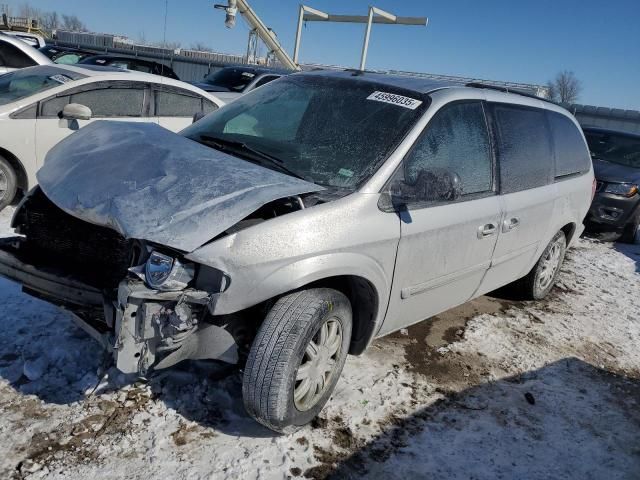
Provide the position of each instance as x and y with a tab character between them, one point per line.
296	358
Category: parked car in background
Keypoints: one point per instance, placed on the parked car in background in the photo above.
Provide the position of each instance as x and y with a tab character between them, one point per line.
40	106
65	55
130	63
300	222
230	83
32	39
15	54
616	162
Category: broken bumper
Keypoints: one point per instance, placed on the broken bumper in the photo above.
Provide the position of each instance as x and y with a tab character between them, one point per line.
143	328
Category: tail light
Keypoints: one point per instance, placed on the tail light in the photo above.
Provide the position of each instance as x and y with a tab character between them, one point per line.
593	188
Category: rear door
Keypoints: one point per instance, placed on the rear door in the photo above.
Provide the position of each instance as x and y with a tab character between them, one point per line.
174	108
527	190
125	101
446	246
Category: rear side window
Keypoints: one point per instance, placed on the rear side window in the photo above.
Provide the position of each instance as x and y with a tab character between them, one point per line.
13	57
112	102
572	155
171	104
524	148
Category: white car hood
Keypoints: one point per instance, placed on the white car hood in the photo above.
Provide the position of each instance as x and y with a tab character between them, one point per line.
149	183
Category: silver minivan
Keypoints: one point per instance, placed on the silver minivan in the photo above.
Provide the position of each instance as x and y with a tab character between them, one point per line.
300	222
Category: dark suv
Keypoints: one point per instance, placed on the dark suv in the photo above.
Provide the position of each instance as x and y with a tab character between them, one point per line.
616	163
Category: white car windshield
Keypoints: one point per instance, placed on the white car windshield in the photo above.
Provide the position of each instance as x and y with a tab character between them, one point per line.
331	131
30	81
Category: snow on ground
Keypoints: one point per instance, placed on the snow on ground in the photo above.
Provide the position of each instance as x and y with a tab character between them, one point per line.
493	389
5	220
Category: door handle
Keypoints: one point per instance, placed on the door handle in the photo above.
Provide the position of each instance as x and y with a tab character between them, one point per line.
510	224
487	230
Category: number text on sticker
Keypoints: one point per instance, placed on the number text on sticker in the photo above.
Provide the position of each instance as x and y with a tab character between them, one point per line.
392	98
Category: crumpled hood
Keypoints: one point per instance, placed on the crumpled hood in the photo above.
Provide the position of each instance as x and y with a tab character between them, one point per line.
149	183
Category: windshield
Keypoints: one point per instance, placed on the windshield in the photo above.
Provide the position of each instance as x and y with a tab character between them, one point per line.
29	81
331	131
232	79
610	147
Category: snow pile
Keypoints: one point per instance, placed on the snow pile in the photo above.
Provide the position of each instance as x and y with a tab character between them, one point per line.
5	221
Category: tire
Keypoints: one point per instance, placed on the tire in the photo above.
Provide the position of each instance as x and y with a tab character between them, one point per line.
631	233
8	184
536	285
282	347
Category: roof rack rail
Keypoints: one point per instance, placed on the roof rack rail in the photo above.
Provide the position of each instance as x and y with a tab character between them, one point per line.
500	88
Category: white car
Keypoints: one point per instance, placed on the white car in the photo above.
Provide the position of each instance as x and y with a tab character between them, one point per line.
33	39
15	54
39	106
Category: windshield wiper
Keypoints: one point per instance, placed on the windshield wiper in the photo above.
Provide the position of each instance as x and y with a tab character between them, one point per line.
225	144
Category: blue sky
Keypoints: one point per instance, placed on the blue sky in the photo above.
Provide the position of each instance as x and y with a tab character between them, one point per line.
516	40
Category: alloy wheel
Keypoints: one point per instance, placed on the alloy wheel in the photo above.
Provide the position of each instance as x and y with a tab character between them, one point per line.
4	185
549	266
318	365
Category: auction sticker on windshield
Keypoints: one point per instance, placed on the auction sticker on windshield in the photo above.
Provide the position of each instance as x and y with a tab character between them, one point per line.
392	98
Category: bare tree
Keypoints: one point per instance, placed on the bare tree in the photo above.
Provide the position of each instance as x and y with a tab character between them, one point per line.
167	44
73	23
50	21
200	47
27	11
565	88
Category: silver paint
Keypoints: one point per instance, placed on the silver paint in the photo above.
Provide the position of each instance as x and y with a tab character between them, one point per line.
419	263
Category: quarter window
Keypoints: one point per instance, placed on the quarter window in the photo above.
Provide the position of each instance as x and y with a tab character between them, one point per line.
524	148
456	140
53	106
572	155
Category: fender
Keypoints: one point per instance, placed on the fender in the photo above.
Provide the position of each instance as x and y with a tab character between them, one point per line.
267	283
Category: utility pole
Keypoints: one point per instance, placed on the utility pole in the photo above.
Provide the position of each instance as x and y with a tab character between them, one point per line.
375	15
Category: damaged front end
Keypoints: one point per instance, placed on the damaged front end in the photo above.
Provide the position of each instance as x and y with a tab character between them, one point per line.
160	329
105	234
103	280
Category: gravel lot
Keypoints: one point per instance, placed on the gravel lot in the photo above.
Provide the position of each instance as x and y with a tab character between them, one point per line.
492	389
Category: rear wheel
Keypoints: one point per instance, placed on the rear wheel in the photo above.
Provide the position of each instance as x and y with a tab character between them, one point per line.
542	277
8	183
296	358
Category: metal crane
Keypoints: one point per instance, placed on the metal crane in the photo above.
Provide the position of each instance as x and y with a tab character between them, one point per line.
265	34
309	14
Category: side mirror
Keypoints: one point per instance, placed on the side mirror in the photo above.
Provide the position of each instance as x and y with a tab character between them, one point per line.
432	185
76	111
198	116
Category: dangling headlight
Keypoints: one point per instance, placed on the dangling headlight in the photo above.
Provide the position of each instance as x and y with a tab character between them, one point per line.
166	273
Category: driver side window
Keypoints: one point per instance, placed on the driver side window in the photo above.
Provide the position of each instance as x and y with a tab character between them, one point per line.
456	140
